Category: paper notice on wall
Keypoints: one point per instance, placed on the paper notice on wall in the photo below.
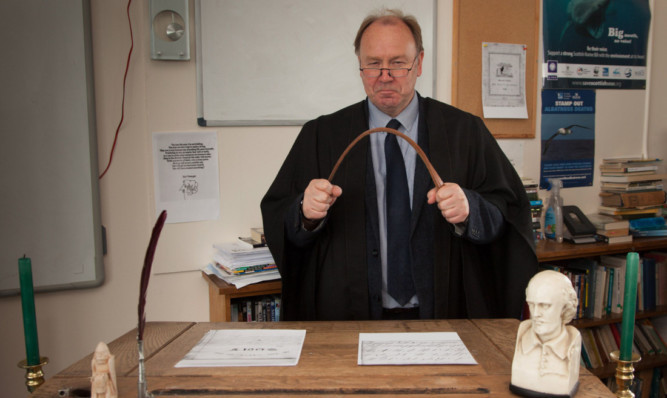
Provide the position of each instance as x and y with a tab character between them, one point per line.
185	170
504	81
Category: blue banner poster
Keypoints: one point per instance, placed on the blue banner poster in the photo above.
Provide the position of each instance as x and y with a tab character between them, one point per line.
592	44
568	137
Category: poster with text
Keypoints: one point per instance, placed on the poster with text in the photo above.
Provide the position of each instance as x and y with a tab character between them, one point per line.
185	174
504	81
568	137
592	44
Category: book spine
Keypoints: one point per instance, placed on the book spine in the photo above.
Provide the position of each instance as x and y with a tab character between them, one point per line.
653	336
615	333
610	291
637	199
602	349
588	344
644	346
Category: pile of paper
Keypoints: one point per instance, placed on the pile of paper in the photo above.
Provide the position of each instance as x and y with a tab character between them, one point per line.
241	264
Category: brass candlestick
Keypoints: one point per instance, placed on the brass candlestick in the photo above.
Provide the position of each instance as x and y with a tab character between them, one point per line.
625	374
34	375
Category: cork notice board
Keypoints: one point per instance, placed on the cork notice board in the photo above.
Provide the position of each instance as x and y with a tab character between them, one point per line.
495	21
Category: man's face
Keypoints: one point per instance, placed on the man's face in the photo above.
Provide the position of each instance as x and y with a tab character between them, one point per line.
546	306
389	46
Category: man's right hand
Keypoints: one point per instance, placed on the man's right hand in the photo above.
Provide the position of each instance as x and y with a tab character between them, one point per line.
318	197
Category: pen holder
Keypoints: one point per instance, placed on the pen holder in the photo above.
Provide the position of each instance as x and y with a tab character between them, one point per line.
142	386
34	375
624	374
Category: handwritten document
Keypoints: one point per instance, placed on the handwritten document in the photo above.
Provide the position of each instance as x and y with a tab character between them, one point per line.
438	348
246	347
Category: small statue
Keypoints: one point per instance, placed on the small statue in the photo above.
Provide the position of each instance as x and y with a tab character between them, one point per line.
547	353
103	380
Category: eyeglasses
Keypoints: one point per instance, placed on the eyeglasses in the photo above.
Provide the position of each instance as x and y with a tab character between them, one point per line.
393	72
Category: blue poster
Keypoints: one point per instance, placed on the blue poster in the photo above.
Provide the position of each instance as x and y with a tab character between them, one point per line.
568	137
592	44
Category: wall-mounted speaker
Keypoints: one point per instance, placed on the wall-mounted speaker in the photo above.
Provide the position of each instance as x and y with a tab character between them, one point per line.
170	38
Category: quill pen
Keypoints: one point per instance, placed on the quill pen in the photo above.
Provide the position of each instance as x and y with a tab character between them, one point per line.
146	272
145	275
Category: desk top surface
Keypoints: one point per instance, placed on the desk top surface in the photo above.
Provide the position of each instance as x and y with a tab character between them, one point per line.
327	366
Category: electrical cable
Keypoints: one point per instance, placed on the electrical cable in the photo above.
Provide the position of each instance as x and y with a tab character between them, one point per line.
122	111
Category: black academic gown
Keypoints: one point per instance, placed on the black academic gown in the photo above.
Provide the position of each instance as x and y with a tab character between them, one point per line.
336	277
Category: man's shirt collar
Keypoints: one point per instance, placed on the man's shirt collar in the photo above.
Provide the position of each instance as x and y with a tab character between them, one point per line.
407	117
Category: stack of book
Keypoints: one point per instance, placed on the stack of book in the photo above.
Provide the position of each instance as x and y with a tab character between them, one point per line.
631	187
648	226
609	229
536	206
243	262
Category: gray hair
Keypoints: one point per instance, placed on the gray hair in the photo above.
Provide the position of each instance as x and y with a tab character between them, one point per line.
391	17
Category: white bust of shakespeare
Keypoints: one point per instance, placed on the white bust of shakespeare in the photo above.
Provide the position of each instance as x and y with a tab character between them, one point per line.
547	352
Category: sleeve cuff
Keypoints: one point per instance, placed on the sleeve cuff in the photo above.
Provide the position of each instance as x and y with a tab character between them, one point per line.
308	224
460	228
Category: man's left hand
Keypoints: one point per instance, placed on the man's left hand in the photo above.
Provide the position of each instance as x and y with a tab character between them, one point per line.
452	202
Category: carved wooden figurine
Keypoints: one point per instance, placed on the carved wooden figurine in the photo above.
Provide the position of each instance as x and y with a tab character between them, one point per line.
547	352
103	380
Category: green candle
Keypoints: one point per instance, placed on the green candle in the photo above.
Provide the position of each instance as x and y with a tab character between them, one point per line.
629	302
28	304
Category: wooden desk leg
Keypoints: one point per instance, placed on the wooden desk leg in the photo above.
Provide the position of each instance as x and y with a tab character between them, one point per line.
218	305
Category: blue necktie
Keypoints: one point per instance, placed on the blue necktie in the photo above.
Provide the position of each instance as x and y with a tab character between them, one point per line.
399	268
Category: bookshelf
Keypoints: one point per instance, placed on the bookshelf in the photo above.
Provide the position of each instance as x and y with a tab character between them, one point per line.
548	251
647	362
220	295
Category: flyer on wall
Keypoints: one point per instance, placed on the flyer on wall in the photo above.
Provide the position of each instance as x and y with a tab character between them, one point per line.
568	137
185	171
592	44
504	81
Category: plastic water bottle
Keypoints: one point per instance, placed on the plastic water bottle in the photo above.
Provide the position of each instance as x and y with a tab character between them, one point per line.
553	218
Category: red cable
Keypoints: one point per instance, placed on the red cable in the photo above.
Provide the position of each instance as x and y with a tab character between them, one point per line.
122	111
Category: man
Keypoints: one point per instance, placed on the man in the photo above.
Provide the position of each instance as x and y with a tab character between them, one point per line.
546	357
335	242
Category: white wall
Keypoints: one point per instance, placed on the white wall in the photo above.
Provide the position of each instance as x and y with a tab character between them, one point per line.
161	97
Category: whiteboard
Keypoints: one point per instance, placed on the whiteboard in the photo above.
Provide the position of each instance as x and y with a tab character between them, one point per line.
49	205
267	62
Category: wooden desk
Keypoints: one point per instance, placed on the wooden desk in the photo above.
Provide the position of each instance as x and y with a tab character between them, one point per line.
328	364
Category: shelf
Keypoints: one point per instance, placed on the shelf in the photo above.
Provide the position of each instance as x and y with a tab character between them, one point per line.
246	291
616	318
648	362
220	294
549	250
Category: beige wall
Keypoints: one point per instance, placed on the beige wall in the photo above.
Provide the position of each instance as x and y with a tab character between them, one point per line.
161	97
